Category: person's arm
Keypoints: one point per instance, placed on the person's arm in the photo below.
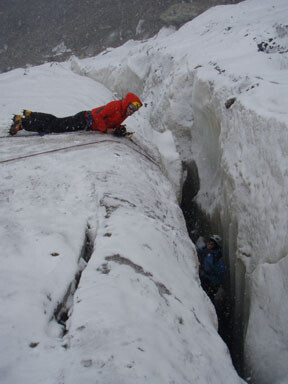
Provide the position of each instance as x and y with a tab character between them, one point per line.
200	254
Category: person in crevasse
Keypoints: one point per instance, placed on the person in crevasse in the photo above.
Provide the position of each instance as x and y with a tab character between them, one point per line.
212	270
107	119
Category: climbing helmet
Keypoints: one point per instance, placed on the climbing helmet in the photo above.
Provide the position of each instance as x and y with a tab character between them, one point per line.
134	106
217	239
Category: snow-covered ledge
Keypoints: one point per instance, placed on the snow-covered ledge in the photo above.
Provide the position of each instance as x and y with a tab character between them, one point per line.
138	314
132	318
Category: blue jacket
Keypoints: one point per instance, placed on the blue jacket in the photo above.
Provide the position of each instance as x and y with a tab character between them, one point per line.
212	266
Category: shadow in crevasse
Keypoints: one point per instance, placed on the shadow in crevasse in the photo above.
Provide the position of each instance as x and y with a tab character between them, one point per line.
200	226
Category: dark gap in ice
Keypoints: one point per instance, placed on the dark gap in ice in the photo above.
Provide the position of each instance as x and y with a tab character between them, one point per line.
62	311
200	225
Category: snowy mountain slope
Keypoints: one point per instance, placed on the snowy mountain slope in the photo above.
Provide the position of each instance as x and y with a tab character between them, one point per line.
220	85
103	213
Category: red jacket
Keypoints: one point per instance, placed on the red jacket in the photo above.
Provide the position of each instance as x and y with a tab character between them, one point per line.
112	114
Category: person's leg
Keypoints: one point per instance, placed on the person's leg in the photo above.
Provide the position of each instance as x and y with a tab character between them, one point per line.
211	291
38	122
70	123
208	287
47	123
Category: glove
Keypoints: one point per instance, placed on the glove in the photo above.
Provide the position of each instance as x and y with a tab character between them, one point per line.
120	131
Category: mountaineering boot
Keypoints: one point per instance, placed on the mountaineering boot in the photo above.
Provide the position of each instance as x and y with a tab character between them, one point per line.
26	113
16	125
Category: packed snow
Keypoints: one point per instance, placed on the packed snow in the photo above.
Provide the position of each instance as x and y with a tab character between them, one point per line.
216	95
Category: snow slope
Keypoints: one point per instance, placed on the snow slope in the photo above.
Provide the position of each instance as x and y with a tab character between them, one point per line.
220	85
103	212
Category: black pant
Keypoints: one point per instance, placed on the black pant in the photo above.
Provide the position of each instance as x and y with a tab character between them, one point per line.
46	123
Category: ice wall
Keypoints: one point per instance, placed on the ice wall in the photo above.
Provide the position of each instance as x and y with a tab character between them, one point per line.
219	85
243	179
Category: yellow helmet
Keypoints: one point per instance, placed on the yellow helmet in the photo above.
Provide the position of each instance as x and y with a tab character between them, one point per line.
136	104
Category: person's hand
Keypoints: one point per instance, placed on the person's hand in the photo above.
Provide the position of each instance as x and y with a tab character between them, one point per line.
110	131
120	131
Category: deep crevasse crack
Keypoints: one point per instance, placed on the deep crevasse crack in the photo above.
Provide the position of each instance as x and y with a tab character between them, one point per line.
64	308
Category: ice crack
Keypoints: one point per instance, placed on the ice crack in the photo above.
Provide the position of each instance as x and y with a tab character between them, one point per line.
64	308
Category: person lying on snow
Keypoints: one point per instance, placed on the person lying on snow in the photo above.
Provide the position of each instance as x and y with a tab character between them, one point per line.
212	270
106	119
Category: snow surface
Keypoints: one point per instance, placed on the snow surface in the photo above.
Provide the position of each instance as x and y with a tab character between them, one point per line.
139	314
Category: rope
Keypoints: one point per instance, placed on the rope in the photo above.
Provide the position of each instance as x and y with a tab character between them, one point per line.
82	145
